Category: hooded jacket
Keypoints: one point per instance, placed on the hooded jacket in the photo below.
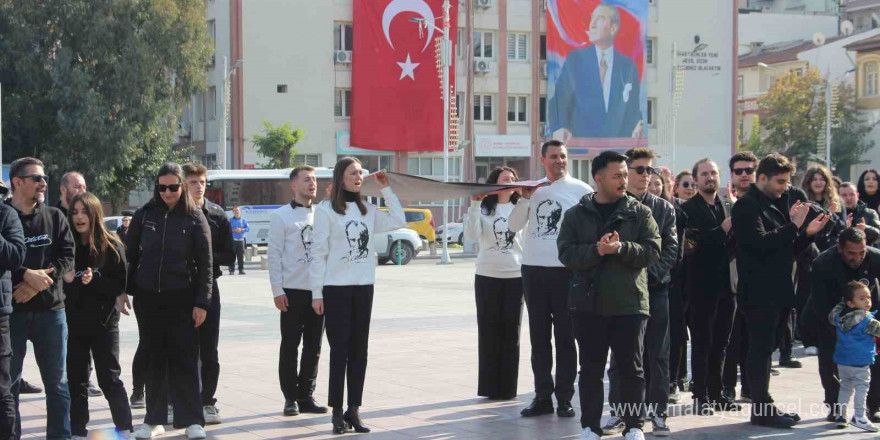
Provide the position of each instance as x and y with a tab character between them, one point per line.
856	330
95	303
622	287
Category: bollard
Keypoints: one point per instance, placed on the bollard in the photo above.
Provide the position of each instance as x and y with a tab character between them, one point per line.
433	248
264	263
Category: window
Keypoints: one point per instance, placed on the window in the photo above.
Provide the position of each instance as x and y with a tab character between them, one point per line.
282	88
652	108
771	81
313	160
461	105
579	169
542	109
342	36
412	217
212	33
739	86
543	47
870	86
483	108
516	109
200	107
212	102
342	103
459	43
517	46
483	42
432	167
650	48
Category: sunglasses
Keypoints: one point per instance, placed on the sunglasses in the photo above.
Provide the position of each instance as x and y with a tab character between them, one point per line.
686	184
740	171
37	178
162	188
643	170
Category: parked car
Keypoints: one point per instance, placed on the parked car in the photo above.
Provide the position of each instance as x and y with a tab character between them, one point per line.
399	246
421	221
456	233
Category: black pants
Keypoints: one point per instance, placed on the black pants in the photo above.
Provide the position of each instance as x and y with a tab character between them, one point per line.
873	401
209	340
826	338
624	335
678	336
89	338
655	354
140	364
499	318
238	249
712	322
785	334
299	323
7	402
764	326
736	355
546	294
172	349
347	311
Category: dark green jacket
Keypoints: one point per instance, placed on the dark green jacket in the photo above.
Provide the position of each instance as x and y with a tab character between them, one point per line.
619	282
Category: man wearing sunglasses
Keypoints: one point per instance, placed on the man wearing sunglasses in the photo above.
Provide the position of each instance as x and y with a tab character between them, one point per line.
38	300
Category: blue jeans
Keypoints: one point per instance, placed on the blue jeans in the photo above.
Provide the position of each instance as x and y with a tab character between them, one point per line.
48	333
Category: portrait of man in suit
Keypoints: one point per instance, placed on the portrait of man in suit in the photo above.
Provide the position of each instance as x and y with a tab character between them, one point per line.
597	92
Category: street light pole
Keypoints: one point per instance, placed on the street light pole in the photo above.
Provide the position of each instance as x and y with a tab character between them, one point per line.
227	92
445	54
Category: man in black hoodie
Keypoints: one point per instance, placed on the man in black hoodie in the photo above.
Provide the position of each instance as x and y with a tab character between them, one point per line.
12	251
38	299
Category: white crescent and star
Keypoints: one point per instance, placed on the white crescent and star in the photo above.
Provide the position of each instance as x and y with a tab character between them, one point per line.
397	7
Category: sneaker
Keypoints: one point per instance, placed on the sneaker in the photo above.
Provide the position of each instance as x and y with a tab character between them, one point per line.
94	391
674	396
745	396
28	388
660	427
195	431
790	361
840	423
212	415
137	400
241	272
774	372
635	434
123	435
588	434
613	425
149	431
863	424
811	351
170	415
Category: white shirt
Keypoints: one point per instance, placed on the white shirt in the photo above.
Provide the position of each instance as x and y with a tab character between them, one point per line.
500	248
342	244
290	243
540	218
609	60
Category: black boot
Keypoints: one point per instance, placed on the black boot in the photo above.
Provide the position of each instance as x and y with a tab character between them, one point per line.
309	405
833	413
725	402
538	407
564	409
703	406
338	421
291	408
768	415
353	419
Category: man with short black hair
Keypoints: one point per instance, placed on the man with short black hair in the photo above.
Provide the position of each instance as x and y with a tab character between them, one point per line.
545	280
769	235
608	241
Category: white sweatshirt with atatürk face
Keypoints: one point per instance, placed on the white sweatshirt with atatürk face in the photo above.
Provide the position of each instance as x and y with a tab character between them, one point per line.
500	248
540	217
290	247
343	252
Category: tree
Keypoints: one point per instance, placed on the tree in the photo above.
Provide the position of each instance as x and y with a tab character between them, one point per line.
848	133
753	143
278	144
792	116
97	85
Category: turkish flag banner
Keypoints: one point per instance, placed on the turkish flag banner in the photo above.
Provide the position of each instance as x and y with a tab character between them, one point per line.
397	95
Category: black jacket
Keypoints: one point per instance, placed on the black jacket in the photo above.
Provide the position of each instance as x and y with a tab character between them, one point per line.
49	244
829	275
95	303
170	251
676	285
766	244
871	219
61	208
663	212
221	237
12	252
707	252
611	284
120	232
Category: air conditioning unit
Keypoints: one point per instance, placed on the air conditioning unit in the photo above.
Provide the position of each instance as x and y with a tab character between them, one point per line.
483	3
342	56
482	65
544	69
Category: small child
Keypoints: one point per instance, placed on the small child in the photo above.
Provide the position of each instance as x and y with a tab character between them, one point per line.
854	354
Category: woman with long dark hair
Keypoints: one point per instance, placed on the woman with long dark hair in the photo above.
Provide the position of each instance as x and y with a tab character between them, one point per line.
169	250
91	289
497	286
342	275
822	191
869	188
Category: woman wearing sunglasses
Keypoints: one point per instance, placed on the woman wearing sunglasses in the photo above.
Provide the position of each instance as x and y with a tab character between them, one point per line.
91	289
169	252
684	187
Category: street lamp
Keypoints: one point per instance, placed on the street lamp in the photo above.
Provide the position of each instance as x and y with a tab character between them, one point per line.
227	92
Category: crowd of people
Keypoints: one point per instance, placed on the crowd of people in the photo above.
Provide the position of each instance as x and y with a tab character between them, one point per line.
637	267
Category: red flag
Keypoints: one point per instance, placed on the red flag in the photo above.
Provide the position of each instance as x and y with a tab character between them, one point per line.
397	100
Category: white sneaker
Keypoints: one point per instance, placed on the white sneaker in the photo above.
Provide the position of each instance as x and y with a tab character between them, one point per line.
863	424
170	415
635	434
212	415
811	351
195	431
123	435
149	431
613	425
588	434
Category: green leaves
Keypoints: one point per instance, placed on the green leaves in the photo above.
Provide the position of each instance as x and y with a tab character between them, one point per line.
277	144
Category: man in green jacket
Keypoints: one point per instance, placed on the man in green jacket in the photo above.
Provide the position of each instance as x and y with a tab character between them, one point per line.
612	233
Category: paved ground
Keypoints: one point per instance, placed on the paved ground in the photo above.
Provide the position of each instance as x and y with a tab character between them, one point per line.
421	380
